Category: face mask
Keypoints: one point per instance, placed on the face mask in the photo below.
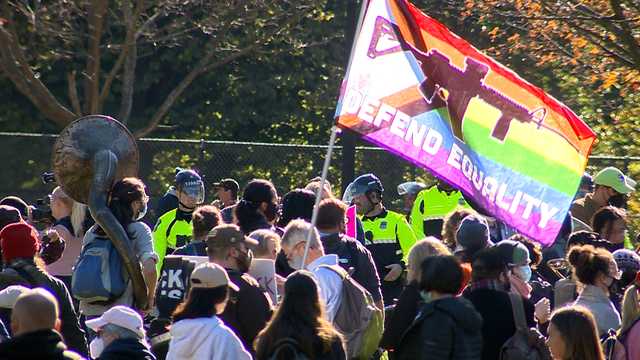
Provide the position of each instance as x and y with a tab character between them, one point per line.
426	296
618	200
142	213
271	212
523	272
96	346
244	261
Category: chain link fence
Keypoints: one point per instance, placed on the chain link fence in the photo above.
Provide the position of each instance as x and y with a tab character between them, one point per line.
288	166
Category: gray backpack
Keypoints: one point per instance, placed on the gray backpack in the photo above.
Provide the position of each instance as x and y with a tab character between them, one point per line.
358	319
527	343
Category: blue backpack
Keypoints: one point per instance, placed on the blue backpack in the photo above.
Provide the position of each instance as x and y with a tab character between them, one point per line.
99	275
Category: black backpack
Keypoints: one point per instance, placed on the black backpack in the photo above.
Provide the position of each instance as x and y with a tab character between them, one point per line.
289	349
173	284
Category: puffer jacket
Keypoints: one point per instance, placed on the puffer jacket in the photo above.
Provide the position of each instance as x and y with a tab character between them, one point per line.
447	328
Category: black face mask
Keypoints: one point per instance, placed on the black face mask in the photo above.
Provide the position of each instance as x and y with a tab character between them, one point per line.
244	261
619	201
616	287
271	213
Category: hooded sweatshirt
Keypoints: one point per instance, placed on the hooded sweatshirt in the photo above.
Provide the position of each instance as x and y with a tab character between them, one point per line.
205	338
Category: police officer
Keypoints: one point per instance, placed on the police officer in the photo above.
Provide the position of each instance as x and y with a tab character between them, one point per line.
409	191
388	235
174	228
432	206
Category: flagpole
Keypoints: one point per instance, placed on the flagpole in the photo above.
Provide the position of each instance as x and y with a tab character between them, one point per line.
332	140
363	10
323	180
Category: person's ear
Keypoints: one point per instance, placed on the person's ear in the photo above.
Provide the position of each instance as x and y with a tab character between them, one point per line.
263	207
58	325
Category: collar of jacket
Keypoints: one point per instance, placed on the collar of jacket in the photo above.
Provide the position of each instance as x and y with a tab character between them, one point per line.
184	215
594	293
382	215
331	240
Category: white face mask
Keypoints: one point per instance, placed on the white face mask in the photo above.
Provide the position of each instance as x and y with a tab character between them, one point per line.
142	213
96	346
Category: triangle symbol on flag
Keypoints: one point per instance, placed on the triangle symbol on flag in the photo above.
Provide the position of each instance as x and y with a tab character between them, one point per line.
384	39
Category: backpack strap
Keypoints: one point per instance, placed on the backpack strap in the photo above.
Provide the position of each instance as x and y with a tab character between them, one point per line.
285	343
336	269
517	307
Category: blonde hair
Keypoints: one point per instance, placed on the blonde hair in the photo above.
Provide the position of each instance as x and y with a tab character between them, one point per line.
630	308
264	237
314	186
429	246
78	216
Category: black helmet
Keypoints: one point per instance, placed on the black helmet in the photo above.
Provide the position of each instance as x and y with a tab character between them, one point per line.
190	183
363	184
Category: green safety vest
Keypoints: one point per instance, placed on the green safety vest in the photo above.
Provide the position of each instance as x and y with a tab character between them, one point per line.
391	232
170	234
434	204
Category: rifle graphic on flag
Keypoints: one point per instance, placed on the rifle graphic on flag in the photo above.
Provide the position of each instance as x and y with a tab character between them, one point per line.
420	91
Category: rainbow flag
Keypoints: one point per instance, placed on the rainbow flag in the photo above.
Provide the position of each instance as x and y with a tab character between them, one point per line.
422	92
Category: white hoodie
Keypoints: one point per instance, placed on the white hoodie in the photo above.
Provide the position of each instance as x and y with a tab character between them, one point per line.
205	338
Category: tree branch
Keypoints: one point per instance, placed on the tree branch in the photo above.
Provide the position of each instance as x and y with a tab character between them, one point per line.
126	102
615	51
202	66
558	17
150	20
17	69
627	35
106	88
73	92
96	19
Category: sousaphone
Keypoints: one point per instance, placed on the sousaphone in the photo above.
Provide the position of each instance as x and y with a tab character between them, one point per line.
90	155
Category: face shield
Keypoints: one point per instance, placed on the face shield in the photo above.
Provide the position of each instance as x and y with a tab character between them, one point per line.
347	197
194	190
410	188
353	190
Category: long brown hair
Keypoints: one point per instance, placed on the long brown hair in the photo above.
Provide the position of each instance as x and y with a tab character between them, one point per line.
579	333
300	317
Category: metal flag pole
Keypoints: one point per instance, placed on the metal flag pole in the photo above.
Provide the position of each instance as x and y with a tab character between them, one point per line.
332	140
323	180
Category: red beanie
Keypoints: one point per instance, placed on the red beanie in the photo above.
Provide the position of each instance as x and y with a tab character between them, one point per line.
19	240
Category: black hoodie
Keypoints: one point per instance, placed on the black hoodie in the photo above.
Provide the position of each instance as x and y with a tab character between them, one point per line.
447	328
41	344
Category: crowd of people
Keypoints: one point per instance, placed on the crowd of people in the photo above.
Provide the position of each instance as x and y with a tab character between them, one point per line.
443	280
